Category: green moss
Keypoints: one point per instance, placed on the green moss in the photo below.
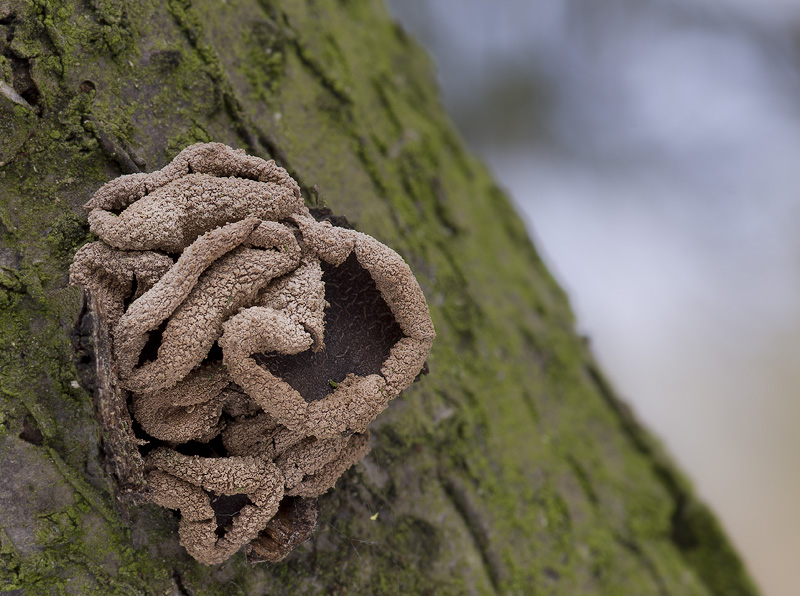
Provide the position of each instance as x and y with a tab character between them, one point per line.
11	288
73	534
195	134
263	60
9	564
67	234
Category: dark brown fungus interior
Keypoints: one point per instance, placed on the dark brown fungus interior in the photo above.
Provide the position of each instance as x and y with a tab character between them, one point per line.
225	508
360	329
150	351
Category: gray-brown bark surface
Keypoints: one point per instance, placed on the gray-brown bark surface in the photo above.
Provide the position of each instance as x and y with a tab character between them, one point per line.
511	468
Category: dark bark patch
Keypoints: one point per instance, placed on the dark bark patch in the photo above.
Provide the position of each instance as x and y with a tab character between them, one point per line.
82	340
119	152
325	213
425	371
31	434
166	60
183	590
22	80
292	525
478	525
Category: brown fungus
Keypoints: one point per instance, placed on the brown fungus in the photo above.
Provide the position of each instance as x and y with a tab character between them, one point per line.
243	345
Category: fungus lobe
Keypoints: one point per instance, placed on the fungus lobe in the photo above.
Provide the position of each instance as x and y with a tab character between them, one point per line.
243	346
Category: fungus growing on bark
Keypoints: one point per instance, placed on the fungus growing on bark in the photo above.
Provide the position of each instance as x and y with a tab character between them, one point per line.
251	343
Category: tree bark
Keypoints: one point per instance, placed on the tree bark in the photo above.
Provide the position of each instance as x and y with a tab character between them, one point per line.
512	468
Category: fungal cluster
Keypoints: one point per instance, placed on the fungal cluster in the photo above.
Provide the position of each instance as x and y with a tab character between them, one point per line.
250	344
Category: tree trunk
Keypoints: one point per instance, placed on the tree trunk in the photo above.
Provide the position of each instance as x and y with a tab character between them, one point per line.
511	468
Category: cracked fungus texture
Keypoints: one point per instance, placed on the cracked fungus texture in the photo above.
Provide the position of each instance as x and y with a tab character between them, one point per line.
252	344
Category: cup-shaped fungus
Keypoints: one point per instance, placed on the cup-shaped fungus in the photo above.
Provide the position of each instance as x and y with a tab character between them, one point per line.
251	343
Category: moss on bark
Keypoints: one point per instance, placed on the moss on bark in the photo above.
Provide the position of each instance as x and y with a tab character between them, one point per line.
511	469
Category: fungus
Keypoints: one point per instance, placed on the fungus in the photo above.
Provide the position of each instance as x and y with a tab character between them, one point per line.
251	343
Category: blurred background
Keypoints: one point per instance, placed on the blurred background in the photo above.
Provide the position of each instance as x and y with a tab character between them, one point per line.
653	147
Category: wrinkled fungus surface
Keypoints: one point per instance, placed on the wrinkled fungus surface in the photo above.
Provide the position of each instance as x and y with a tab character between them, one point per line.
247	345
